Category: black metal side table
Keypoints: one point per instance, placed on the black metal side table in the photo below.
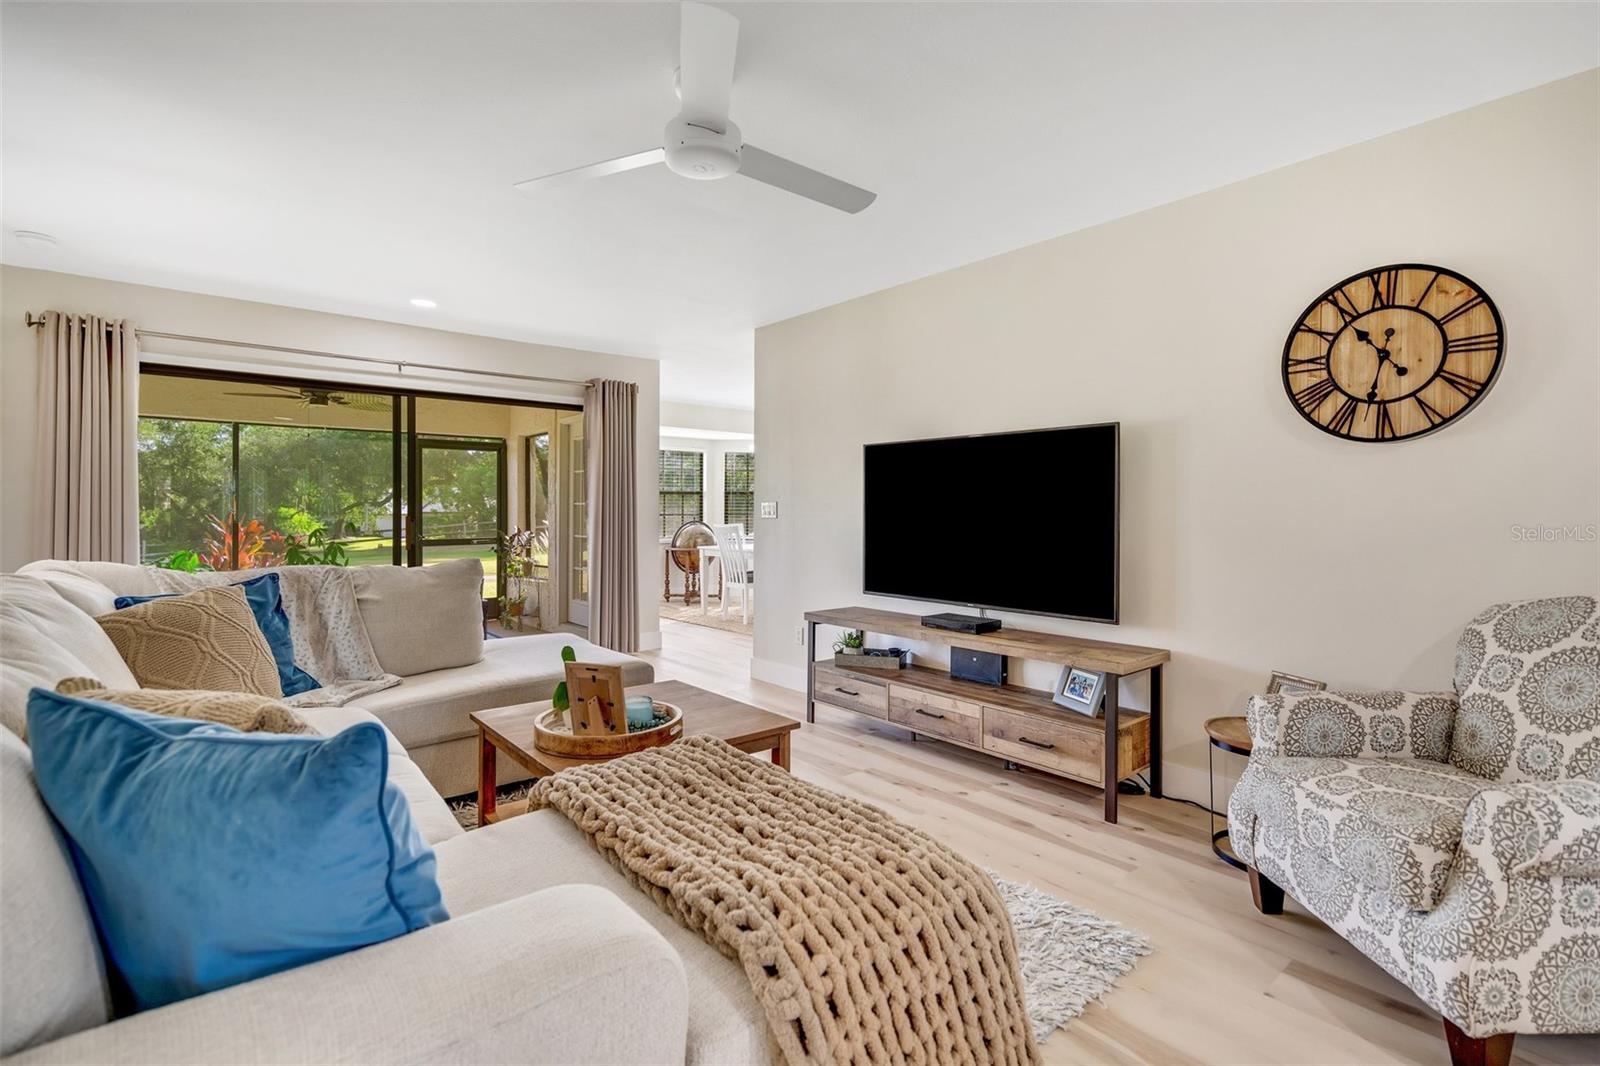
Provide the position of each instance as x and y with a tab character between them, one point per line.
1230	734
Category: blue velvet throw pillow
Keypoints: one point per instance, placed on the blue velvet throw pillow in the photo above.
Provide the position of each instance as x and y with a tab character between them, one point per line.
211	857
264	594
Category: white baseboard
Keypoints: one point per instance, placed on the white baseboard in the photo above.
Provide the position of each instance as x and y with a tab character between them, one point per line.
650	641
786	675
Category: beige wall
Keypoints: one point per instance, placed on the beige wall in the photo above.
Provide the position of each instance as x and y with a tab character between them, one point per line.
172	311
1250	540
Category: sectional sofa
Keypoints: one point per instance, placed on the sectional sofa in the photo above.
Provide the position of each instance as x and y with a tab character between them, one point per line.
542	928
425	626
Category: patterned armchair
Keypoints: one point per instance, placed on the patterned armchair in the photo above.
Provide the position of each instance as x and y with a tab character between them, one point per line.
1453	837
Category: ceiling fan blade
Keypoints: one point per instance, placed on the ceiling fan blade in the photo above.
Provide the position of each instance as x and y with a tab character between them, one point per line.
708	39
593	170
802	181
266	395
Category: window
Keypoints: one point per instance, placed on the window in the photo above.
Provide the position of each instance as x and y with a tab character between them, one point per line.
243	471
739	489
683	480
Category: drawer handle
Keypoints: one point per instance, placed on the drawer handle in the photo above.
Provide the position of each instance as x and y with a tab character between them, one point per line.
1035	743
846	691
928	714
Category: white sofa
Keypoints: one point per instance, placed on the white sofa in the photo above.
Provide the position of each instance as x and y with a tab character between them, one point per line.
542	929
410	614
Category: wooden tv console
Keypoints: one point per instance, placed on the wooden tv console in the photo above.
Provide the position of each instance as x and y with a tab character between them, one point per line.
1020	725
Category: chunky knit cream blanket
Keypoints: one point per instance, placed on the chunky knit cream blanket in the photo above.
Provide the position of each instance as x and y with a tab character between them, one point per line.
866	941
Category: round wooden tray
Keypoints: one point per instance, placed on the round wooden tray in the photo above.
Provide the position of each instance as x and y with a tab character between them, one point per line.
552	733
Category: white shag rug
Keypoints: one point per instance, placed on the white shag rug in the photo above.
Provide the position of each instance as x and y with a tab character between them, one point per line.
1069	957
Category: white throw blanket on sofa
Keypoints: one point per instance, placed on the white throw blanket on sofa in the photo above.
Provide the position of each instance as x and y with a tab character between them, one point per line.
330	639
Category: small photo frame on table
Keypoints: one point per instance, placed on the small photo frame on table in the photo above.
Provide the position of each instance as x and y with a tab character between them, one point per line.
1289	683
1080	690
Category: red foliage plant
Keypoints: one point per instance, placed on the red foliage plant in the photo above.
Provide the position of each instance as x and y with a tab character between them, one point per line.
258	546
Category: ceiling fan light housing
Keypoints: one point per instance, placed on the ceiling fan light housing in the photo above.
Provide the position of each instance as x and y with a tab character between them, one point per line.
696	148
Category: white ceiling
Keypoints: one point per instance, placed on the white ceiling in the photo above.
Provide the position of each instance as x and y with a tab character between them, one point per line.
350	157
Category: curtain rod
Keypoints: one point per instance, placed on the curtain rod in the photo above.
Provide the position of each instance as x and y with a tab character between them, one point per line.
34	322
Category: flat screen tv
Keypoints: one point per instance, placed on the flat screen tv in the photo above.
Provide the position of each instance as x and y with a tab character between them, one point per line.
1021	521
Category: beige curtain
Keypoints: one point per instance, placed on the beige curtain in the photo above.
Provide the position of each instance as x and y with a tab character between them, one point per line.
86	502
608	433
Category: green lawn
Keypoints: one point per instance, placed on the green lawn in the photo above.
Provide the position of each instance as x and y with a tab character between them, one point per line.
379	551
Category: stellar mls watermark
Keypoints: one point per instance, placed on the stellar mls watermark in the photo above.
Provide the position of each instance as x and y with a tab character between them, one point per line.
1542	534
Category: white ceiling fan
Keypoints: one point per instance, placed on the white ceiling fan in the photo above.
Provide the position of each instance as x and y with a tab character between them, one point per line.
702	142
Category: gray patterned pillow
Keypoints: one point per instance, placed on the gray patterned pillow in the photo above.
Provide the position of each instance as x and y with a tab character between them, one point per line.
1353	725
1529	678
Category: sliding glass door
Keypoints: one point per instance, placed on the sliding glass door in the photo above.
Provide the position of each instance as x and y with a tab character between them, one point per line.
238	472
460	503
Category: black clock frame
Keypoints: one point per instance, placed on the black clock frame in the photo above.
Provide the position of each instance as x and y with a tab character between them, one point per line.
1369	275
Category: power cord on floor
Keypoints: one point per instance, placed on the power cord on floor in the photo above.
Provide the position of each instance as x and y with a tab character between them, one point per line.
1139	785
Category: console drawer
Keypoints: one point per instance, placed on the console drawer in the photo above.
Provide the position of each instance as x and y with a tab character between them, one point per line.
933	701
923	712
1068	749
840	688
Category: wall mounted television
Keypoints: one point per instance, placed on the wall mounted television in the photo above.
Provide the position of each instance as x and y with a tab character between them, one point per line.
1023	521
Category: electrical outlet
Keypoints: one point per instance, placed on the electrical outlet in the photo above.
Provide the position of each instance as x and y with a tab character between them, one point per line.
769	509
799	634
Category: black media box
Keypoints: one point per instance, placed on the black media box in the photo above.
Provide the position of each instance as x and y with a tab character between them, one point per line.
984	667
961	623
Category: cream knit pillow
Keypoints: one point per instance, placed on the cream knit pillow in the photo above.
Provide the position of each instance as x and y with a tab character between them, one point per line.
241	710
203	640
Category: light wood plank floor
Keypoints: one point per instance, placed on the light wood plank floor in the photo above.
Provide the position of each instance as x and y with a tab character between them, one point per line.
1224	983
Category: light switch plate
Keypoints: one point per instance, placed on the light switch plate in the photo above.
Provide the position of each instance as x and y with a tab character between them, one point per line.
769	509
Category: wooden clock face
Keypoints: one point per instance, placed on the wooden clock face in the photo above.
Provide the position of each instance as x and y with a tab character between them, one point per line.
1395	352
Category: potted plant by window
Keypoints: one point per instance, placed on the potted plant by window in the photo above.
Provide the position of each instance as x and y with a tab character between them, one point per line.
515	549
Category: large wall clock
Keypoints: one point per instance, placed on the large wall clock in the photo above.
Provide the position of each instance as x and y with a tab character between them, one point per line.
1392	353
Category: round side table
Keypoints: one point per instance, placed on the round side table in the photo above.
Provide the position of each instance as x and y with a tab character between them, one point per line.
1230	734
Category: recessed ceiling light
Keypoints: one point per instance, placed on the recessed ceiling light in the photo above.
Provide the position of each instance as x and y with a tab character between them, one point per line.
34	238
421	301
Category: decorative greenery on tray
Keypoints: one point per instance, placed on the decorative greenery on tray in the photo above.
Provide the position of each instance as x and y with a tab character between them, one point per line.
559	699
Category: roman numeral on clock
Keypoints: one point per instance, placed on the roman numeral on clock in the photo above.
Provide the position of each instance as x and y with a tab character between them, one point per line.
1461	383
1461	309
1325	334
1426	289
1345	416
1311	397
1347	309
1386	429
1478	342
1384	283
1431	413
1316	362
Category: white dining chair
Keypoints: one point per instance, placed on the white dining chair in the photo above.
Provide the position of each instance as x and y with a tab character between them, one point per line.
736	568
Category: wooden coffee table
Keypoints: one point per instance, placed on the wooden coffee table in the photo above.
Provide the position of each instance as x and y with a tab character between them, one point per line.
510	730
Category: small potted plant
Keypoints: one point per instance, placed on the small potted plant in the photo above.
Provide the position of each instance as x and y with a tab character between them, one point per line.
851	642
515	547
559	699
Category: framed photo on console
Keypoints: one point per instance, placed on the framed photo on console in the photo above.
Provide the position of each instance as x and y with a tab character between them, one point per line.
1080	690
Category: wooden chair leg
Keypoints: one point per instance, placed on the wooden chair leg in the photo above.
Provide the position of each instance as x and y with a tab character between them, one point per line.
1268	896
1477	1050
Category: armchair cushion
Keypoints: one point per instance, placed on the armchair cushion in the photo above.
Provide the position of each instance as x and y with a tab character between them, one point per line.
1352	725
1391	824
1540	829
1529	678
